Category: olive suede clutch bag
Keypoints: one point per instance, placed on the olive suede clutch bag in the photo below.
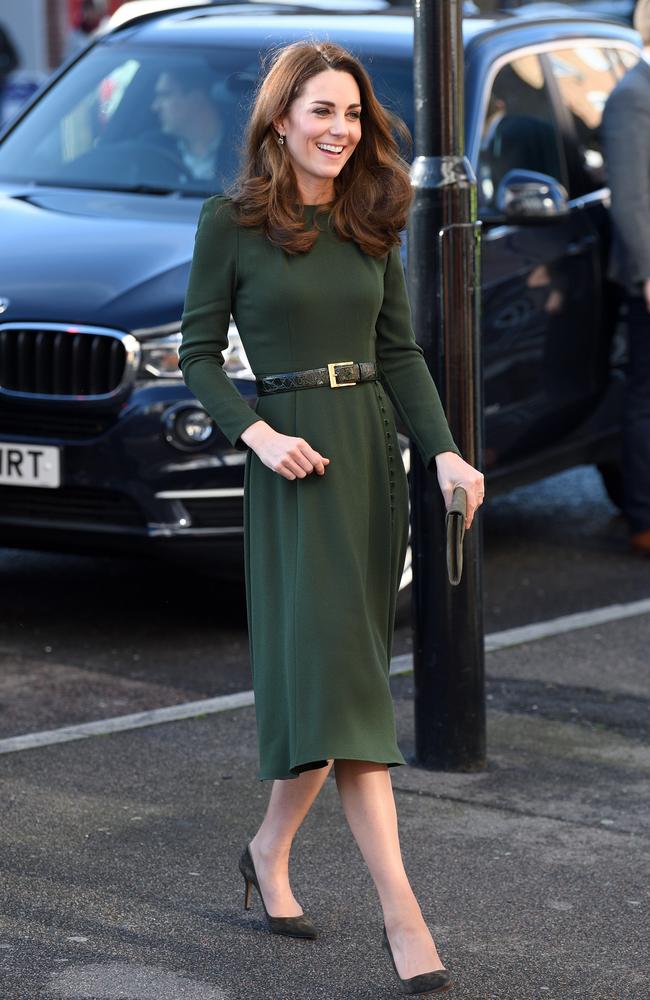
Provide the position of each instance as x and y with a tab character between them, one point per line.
455	524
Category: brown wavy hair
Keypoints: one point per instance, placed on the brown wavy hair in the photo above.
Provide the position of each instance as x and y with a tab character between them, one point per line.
372	193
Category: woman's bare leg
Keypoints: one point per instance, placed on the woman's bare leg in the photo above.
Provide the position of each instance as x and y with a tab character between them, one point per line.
369	805
289	803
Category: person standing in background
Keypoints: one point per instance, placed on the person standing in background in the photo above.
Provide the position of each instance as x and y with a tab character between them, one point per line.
8	61
626	139
89	16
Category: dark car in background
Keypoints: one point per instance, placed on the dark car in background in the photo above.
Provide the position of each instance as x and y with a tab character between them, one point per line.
101	444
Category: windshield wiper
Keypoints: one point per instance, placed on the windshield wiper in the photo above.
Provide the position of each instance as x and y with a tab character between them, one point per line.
153	189
145	189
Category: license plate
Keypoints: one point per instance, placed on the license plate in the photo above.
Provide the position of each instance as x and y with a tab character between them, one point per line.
29	465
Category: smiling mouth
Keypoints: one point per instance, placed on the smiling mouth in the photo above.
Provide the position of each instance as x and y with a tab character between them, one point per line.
331	150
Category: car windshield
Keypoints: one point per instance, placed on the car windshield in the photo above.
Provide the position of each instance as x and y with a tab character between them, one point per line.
154	121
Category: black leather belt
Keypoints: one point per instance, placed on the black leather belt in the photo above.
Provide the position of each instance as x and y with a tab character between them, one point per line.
335	375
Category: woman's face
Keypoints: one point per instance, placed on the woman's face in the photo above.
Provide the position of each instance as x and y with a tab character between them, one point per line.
322	128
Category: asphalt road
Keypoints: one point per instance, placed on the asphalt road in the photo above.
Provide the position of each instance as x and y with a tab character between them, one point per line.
118	855
85	638
118	873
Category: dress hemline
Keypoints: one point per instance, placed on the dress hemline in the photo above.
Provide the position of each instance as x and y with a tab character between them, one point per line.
316	763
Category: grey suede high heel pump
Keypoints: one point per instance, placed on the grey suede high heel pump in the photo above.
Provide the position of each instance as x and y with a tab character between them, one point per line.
300	927
427	982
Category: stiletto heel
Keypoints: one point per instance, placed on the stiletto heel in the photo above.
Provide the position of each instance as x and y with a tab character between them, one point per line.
427	982
301	927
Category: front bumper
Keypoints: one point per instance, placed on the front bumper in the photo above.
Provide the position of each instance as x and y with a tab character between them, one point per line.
122	482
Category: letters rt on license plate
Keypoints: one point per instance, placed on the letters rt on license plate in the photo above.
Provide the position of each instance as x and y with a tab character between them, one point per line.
29	465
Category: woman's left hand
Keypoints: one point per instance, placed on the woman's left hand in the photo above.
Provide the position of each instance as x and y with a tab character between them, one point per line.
454	471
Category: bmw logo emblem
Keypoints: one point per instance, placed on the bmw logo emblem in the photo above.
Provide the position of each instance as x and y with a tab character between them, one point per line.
4	305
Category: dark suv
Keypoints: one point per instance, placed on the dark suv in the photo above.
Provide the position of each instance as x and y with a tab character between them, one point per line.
101	182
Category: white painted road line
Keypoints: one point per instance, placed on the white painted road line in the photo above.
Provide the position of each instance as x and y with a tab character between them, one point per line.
544	630
120	723
242	699
568	623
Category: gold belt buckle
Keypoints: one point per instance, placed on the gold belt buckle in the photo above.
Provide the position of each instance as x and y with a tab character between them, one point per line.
333	383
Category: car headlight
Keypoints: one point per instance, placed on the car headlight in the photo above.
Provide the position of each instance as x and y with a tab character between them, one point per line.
235	362
159	355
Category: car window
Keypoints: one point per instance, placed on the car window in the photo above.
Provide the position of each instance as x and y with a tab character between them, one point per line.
519	130
585	77
81	128
122	119
155	119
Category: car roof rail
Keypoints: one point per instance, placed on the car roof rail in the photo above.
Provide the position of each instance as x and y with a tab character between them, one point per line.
121	20
555	10
551	12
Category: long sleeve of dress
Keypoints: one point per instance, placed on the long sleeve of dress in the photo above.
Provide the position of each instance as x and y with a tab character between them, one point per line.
206	318
404	371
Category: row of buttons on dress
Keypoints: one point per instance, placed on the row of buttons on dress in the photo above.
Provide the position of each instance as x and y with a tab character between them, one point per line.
389	450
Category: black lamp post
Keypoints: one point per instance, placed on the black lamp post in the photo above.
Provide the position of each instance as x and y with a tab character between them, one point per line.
444	284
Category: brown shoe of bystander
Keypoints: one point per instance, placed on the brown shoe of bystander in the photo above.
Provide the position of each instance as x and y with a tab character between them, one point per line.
640	542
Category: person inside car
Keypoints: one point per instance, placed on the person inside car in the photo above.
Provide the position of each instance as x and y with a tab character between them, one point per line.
190	120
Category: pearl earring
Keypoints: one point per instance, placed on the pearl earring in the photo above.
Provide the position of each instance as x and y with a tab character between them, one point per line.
280	140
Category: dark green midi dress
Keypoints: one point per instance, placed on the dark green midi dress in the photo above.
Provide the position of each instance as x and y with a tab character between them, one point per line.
323	554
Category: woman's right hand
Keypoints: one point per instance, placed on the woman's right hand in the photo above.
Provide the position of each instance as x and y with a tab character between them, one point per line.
291	457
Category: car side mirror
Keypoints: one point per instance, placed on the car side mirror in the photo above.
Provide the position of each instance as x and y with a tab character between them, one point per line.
526	196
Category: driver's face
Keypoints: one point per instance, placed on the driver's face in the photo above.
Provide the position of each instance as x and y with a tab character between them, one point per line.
172	105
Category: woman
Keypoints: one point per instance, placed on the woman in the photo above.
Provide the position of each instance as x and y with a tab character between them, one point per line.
305	256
